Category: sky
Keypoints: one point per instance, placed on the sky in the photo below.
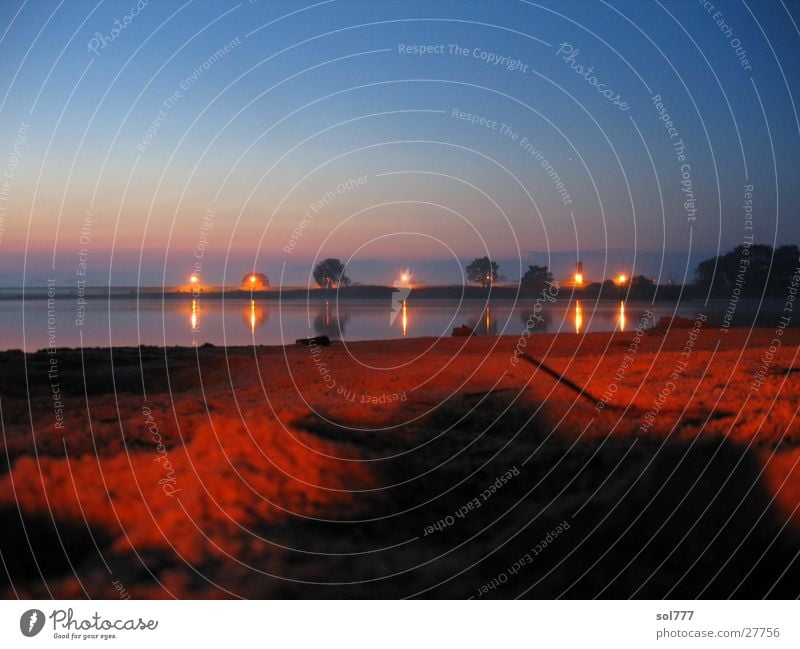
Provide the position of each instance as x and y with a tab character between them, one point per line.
142	141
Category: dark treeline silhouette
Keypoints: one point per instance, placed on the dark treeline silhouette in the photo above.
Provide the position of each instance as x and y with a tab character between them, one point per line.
482	271
329	273
753	269
536	279
638	287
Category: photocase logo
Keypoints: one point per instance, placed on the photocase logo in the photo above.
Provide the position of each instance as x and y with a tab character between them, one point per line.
31	622
402	290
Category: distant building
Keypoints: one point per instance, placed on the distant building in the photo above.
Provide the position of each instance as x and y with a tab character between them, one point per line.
255	282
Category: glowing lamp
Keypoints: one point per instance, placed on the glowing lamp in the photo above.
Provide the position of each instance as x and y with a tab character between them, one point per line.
622	278
405	279
578	278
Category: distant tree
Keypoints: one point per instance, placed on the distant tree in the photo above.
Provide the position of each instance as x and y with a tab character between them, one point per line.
482	271
610	288
641	286
757	273
329	273
642	281
752	269
706	274
536	279
255	282
784	266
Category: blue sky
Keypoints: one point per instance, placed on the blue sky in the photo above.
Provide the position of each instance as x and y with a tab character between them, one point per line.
310	95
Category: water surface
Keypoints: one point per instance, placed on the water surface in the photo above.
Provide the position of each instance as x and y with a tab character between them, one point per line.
34	323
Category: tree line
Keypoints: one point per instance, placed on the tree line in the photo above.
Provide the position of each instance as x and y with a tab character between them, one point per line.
753	269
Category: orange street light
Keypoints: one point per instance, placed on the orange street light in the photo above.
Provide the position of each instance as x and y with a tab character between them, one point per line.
405	279
578	279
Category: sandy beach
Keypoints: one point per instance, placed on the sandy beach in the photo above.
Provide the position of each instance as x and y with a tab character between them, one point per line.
659	464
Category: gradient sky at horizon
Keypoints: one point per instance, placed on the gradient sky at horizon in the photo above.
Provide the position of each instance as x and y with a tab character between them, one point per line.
311	95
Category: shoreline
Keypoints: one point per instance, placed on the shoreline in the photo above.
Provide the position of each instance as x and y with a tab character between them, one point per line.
729	339
663	293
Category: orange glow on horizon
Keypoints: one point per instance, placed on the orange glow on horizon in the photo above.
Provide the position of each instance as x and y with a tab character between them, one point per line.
622	278
578	279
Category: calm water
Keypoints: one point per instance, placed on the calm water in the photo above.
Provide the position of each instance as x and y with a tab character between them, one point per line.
122	321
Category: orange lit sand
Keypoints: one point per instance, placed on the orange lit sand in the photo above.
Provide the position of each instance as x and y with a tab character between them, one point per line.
283	481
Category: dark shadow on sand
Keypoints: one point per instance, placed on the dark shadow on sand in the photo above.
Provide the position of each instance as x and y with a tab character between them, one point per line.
644	520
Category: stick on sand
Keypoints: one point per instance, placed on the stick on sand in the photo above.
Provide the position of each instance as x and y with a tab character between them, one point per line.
561	379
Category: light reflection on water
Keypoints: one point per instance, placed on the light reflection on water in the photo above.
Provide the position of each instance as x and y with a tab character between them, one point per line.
195	319
241	321
255	315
